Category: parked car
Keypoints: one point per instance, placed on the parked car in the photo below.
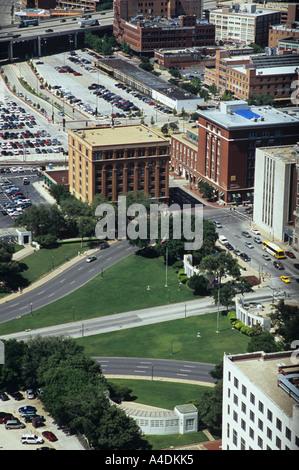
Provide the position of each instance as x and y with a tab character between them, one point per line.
290	254
245	257
3	396
50	436
26	409
5	416
31	439
17	396
237	252
255	231
14	424
30	394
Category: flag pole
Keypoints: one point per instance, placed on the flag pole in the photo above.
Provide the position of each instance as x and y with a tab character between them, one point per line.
166	284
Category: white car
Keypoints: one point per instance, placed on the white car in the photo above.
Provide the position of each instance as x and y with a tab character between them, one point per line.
30	394
255	231
31	439
90	259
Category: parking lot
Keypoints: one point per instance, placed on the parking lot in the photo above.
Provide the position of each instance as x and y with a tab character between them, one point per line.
87	89
15	196
25	135
11	439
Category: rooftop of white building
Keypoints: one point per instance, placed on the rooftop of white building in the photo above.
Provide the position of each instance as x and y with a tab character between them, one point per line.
238	114
273	374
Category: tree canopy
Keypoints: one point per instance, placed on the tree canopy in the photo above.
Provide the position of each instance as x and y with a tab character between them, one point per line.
75	392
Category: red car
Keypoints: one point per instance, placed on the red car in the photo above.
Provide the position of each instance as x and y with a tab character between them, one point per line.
77	74
5	417
50	436
290	254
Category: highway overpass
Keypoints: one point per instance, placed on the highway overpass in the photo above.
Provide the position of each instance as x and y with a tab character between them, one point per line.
51	35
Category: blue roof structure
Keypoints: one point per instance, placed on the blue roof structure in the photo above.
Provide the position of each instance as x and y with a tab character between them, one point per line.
246	113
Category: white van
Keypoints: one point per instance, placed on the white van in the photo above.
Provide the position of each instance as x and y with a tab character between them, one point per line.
223	240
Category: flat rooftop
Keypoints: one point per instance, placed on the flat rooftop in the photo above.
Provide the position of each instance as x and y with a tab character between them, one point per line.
105	136
237	114
283	70
287	153
147	79
263	371
243	12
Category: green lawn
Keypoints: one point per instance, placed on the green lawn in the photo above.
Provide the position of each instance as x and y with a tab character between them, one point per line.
154	341
45	260
162	394
122	288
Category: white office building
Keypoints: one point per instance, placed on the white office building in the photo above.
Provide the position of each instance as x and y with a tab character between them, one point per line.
260	401
274	191
246	23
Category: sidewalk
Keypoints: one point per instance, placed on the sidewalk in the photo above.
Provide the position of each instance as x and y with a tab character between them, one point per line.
47	277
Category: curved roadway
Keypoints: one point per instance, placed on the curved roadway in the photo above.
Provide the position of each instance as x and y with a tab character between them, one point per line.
66	282
157	369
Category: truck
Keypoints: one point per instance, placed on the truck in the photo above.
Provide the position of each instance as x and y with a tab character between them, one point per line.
88	23
25	23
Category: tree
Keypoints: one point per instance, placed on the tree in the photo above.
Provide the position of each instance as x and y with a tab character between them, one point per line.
164	129
213	89
59	192
10	270
43	221
174	126
221	265
206	189
226	96
263	342
198	283
263	99
225	294
125	48
210	408
285	319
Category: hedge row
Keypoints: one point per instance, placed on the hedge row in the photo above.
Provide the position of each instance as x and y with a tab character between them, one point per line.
239	325
182	276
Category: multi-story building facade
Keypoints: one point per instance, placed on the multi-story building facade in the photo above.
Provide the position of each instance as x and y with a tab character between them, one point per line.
282	31
254	75
145	35
296	210
227	140
260	408
113	161
184	152
243	23
126	10
188	57
275	191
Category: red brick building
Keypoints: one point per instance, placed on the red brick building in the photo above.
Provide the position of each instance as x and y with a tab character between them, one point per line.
227	139
148	35
115	160
254	75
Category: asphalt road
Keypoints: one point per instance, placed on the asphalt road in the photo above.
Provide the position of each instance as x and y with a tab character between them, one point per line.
68	281
156	368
